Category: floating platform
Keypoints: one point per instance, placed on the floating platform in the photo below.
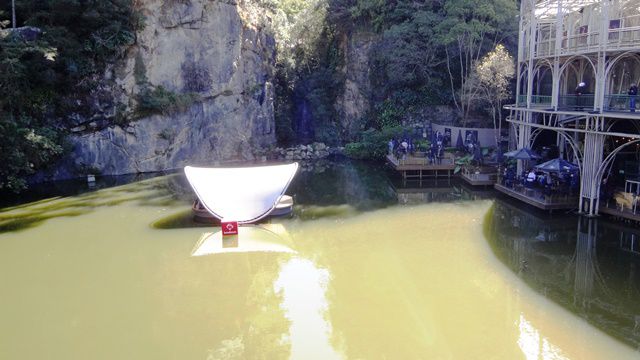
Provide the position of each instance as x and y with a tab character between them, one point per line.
479	178
535	198
419	167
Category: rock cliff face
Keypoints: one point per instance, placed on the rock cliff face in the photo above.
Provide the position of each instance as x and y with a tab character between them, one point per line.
355	101
220	51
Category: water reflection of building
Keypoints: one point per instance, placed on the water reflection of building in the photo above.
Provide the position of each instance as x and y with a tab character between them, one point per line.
437	190
586	265
585	262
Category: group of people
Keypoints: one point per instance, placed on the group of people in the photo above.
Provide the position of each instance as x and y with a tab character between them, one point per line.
566	182
401	148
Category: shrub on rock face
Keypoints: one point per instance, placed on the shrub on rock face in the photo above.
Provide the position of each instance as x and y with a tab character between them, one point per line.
373	144
196	76
160	101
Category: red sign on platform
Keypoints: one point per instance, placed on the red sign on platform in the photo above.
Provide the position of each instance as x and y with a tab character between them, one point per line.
229	228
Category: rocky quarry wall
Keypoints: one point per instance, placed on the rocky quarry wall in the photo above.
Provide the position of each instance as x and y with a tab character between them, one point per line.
355	100
220	51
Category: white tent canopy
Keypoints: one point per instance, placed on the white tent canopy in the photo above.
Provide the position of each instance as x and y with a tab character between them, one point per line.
244	195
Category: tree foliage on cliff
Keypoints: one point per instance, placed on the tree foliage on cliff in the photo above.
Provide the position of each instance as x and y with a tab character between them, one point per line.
308	74
46	71
427	53
469	29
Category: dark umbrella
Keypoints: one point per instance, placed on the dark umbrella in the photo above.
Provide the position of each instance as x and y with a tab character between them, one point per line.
522	154
460	141
557	165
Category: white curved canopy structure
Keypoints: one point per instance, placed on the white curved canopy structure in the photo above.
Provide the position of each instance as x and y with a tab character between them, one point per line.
244	195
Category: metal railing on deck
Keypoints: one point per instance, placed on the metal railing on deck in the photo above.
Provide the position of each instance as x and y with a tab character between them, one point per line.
576	102
540	100
536	100
620	102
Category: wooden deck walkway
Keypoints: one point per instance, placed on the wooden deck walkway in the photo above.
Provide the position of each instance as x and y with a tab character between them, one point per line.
419	167
625	213
480	178
536	198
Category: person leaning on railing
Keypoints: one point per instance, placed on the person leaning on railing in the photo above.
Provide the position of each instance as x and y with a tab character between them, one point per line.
633	92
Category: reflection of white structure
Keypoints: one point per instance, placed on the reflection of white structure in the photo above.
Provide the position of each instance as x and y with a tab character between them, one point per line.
586	263
534	345
304	288
562	44
263	238
244	195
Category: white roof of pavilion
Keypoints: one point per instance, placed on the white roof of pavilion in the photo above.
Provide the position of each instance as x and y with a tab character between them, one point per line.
548	9
244	195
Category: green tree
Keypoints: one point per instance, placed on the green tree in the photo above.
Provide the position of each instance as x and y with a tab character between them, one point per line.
494	74
47	74
468	30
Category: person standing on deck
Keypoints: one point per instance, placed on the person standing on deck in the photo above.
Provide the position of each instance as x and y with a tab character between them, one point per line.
633	92
580	90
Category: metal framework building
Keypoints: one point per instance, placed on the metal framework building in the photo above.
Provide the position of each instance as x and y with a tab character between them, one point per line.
577	60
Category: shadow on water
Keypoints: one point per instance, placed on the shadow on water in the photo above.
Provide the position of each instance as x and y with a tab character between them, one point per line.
66	188
589	266
181	220
163	191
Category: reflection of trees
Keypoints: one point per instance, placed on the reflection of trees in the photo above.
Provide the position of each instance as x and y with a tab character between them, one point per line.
233	314
581	270
360	184
162	191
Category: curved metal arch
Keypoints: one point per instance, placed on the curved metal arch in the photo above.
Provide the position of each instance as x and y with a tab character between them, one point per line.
570	60
611	65
533	136
543	63
608	160
542	71
615	60
615	121
576	149
515	132
568	139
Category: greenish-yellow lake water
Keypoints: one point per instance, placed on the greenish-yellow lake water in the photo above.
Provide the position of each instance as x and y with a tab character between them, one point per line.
122	273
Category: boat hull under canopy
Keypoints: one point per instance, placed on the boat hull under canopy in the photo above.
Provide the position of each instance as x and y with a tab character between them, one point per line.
245	195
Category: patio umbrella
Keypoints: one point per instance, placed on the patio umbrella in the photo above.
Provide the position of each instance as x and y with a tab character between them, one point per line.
556	165
522	154
460	141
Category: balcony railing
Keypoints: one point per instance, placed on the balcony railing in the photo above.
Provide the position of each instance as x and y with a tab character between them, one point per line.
621	103
540	100
536	100
576	102
624	38
623	33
